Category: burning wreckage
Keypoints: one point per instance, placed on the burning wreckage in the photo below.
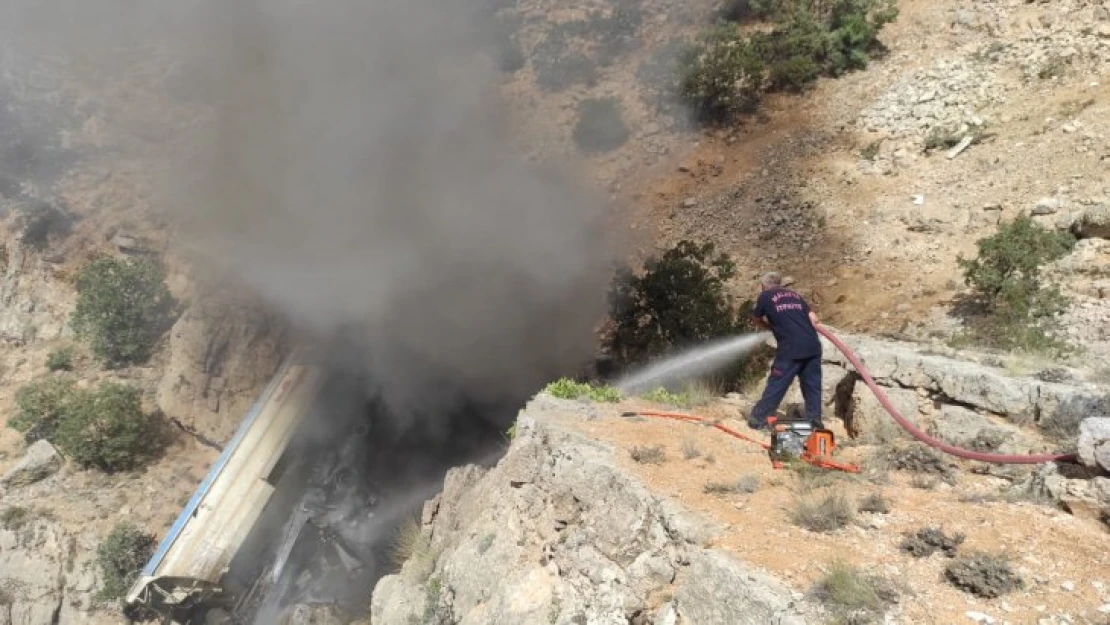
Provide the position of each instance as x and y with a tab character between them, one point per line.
293	511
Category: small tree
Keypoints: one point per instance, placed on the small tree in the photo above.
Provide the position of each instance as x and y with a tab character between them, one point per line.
1006	274
679	300
1006	282
721	76
40	406
106	428
121	557
123	307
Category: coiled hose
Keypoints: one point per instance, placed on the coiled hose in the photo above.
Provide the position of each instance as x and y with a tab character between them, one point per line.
922	436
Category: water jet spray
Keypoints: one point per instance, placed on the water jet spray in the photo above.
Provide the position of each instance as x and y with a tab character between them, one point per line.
692	362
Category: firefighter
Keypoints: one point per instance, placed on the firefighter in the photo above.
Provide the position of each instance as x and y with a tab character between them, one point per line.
798	354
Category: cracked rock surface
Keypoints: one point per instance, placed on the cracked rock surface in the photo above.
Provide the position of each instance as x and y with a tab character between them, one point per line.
556	532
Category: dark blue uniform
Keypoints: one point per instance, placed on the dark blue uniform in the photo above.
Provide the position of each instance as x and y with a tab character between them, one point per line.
798	354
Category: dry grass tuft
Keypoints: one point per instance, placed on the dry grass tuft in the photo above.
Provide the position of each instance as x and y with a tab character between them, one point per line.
822	515
648	455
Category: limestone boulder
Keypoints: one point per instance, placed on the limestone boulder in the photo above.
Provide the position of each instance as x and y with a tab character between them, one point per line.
1094	442
1093	223
39	462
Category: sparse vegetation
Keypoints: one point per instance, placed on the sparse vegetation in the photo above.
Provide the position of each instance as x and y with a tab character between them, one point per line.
104	428
876	467
853	595
874	503
924	482
746	485
648	455
565	388
983	574
811	478
871	150
827	514
14	518
690	449
486	543
918	458
60	359
692	395
600	127
1055	66
121	557
123	307
1010	303
679	300
927	541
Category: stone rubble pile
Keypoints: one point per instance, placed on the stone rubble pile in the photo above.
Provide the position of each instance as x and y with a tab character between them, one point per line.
947	96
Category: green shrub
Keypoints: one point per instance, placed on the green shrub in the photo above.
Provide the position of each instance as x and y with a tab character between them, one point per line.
60	359
1011	301
121	557
725	74
105	428
794	52
40	406
566	388
812	38
600	127
679	300
123	307
722	75
663	396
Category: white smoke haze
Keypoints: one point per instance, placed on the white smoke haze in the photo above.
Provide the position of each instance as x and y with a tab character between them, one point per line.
355	169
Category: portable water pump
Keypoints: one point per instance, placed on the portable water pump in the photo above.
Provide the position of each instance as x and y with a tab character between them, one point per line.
798	439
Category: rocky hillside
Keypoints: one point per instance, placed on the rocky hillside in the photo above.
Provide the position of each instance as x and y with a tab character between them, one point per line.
865	189
594	517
